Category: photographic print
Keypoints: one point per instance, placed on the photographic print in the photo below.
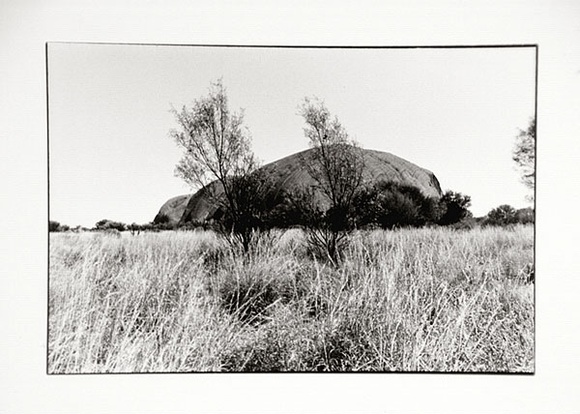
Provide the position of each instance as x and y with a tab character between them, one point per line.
291	209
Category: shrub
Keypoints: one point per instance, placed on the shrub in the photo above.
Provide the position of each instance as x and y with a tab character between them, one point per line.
525	215
384	204
389	205
163	226
326	227
501	216
110	224
134	228
148	227
455	207
466	223
55	226
296	208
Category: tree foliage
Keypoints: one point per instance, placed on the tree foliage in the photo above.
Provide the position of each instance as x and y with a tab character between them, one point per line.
338	161
255	197
455	207
106	224
215	143
55	226
526	215
217	148
389	205
524	154
506	215
337	170
297	207
501	216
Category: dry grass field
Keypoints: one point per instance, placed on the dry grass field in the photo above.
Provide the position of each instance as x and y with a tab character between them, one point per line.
431	299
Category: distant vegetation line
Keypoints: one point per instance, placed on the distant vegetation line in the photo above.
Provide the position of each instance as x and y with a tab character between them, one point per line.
503	215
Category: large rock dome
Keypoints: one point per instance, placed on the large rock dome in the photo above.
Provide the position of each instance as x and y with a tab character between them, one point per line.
289	173
172	210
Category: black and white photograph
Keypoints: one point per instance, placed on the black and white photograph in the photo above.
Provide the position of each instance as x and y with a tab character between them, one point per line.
291	209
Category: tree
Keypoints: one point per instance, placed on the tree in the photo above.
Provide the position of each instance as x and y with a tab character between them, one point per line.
338	173
501	216
524	154
455	207
53	226
217	149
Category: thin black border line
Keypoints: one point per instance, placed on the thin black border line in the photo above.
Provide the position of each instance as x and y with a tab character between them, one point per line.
535	206
455	373
48	210
514	46
265	46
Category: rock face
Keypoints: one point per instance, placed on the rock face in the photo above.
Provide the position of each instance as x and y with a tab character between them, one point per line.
173	209
289	173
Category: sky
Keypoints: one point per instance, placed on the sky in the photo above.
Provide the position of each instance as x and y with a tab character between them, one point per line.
453	111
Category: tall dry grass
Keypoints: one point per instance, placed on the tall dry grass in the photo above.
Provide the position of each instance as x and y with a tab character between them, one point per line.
406	300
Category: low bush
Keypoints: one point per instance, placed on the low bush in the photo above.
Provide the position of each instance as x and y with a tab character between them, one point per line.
525	215
501	216
389	205
454	207
106	224
55	226
506	215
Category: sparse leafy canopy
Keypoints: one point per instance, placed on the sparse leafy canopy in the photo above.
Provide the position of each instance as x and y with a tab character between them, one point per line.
216	144
338	172
524	154
339	163
217	148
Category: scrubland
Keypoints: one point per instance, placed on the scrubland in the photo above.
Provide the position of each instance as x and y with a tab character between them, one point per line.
431	299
